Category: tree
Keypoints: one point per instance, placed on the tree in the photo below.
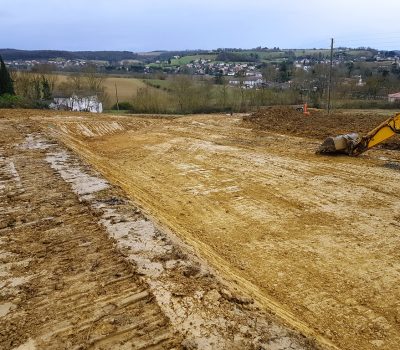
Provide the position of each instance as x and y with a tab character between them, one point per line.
93	80
285	71
219	79
223	93
395	70
46	90
37	87
48	79
373	85
6	83
182	88
76	84
350	68
269	73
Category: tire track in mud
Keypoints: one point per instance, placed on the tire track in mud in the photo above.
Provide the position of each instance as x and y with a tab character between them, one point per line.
63	284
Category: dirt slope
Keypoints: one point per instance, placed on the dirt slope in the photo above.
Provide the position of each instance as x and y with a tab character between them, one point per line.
313	239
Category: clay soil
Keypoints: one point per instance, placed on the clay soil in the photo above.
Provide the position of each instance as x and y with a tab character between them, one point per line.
312	240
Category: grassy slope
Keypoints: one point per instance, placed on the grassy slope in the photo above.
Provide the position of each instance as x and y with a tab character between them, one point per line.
188	59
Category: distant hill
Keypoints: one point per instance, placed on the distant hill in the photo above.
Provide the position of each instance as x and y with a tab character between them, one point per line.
13	54
161	58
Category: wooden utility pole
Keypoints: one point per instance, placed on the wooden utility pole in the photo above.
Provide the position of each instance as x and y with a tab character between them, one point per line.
330	78
116	96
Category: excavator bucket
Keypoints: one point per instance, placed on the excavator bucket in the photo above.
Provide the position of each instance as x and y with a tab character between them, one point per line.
353	144
339	144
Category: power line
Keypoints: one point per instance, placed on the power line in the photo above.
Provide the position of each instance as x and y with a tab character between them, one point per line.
367	40
371	35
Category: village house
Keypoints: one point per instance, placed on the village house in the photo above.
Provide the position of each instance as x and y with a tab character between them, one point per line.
248	83
394	97
79	104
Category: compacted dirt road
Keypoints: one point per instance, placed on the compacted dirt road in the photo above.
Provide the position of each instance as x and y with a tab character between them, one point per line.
313	239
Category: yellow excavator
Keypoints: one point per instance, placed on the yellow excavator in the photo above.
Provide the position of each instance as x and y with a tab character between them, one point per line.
353	144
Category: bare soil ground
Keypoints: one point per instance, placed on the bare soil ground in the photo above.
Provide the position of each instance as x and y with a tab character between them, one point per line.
63	284
235	217
313	239
83	267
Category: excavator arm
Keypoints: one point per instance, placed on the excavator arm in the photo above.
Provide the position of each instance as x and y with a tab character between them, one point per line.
353	144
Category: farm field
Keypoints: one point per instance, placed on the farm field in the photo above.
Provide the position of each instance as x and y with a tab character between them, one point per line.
127	87
312	240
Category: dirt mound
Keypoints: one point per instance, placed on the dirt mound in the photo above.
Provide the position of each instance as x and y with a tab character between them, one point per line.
319	124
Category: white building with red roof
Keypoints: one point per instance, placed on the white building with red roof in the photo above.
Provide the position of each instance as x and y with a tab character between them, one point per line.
394	97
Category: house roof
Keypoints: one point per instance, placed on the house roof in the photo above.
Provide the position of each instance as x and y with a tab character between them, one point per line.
396	95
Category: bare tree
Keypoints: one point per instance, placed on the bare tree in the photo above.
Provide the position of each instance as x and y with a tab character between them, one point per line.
93	80
22	83
47	76
76	84
223	93
182	87
270	73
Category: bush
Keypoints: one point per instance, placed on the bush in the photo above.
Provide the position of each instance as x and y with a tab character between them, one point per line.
365	104
38	105
10	101
123	106
152	101
15	101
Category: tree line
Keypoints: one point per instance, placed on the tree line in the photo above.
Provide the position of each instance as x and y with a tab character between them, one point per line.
285	84
13	54
38	87
187	94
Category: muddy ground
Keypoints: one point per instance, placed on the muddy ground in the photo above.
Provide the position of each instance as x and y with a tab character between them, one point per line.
242	232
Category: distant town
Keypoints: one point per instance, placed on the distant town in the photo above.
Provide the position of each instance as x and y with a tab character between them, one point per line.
161	81
222	61
248	65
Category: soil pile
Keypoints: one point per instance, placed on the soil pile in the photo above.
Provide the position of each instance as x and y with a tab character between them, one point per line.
319	124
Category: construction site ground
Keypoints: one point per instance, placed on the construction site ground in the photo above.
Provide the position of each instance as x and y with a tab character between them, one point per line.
203	231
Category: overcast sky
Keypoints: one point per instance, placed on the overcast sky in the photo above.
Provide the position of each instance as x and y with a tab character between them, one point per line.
202	24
